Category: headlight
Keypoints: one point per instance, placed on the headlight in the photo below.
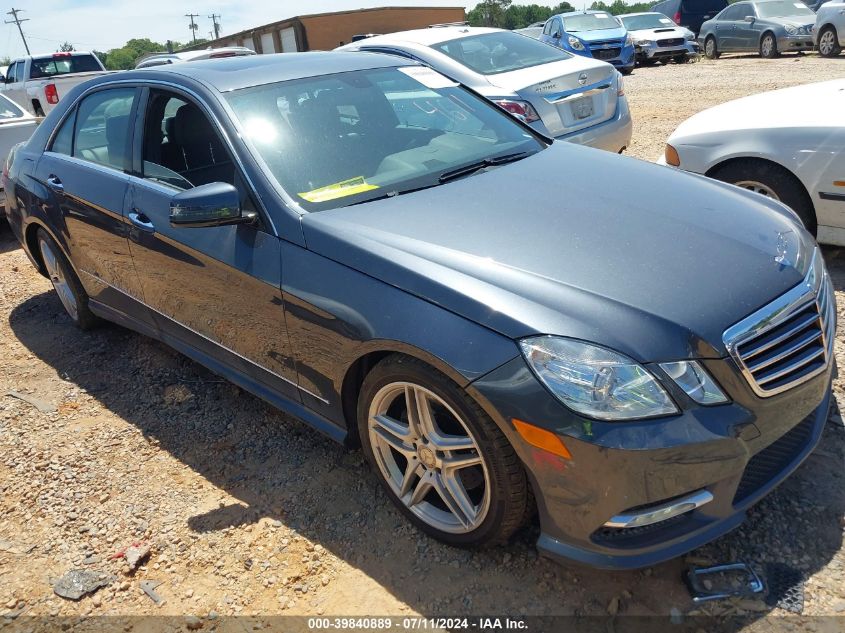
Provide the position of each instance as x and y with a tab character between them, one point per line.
628	40
596	381
575	43
791	30
643	42
689	35
690	376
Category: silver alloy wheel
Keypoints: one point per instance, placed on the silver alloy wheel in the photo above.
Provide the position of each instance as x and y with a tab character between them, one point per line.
428	456
57	276
758	187
767	45
710	47
827	43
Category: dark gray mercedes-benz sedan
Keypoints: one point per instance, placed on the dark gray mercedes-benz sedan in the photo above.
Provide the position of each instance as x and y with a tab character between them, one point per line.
503	323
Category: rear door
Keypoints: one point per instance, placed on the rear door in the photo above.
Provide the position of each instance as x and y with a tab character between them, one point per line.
85	170
214	289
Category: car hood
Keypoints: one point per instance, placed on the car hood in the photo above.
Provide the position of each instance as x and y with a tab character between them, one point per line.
786	108
792	20
603	34
661	33
655	265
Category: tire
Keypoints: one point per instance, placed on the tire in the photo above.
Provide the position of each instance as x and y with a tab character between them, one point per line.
626	71
711	48
780	183
491	491
36	107
769	46
829	42
65	282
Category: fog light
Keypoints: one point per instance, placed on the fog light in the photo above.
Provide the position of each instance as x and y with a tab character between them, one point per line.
660	513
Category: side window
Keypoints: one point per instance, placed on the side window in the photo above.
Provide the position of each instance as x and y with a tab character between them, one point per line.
547	27
102	127
744	11
63	141
10	73
557	27
182	148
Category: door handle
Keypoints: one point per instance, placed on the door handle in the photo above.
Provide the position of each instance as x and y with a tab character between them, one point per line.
55	184
141	221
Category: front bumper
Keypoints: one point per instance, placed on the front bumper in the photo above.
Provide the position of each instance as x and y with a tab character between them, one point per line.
612	135
621	467
653	53
791	43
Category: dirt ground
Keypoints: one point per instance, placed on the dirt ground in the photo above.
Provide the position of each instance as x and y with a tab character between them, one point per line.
247	511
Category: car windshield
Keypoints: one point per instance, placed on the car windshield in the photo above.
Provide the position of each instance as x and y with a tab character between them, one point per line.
782	8
589	22
342	139
500	52
647	21
63	64
9	110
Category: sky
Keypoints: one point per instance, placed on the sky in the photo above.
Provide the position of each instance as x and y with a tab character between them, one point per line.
105	24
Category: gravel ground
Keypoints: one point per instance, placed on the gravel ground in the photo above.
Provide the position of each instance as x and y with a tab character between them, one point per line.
247	511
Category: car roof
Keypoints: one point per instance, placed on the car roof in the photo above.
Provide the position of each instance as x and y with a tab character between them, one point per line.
631	15
571	14
425	37
233	73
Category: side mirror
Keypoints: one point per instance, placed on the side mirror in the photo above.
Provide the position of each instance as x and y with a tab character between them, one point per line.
214	204
750	18
557	35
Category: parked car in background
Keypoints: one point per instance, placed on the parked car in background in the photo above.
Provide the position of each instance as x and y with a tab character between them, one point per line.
690	13
829	29
815	5
656	38
369	246
773	144
532	30
592	34
16	126
38	82
769	27
161	59
561	95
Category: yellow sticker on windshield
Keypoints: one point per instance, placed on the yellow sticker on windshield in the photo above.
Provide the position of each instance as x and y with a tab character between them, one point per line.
339	190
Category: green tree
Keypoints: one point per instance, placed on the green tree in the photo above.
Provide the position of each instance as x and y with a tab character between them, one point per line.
619	7
489	13
67	47
513	16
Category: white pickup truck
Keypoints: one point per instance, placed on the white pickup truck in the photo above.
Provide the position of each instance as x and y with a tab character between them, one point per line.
38	82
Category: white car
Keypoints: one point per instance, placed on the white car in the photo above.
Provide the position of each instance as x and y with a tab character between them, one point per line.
829	31
569	97
657	38
786	144
16	126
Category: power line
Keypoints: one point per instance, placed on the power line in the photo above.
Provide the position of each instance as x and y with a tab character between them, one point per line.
194	27
214	17
16	20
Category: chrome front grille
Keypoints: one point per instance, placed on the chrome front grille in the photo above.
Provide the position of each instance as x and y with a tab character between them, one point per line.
790	340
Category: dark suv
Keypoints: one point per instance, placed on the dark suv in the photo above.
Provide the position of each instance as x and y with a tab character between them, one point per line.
690	13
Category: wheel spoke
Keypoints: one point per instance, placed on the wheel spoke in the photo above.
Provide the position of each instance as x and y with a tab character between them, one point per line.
412	473
455	496
425	484
420	416
452	442
457	462
394	434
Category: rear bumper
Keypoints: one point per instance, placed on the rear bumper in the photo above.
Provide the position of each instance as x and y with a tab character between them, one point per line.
737	452
612	135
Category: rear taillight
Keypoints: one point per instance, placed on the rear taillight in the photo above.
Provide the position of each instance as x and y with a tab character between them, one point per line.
51	93
522	110
677	18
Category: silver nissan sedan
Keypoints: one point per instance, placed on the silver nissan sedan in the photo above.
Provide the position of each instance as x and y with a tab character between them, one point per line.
569	97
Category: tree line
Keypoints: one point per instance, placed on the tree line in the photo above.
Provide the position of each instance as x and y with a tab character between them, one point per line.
504	14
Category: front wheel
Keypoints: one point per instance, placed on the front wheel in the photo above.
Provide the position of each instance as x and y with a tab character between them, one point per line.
772	181
769	46
829	42
711	49
443	462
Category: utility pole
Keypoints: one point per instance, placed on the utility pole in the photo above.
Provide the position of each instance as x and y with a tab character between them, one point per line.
214	17
16	20
193	27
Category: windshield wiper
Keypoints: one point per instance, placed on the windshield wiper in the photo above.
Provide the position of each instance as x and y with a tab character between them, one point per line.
466	170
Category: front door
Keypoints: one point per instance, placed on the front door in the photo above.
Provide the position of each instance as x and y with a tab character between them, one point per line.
84	170
215	289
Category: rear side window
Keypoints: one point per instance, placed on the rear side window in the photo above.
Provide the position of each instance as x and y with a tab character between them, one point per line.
9	109
102	127
60	64
63	141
